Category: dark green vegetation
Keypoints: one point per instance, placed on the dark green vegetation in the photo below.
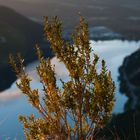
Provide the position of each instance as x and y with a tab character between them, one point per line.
17	35
121	16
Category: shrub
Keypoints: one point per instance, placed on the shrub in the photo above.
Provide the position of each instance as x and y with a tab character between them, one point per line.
85	101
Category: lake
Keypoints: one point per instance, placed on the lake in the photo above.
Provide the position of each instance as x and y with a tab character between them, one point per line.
13	103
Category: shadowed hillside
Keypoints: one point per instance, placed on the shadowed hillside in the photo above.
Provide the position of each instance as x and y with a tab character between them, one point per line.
17	35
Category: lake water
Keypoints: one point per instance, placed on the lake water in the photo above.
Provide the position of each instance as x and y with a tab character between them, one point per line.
13	103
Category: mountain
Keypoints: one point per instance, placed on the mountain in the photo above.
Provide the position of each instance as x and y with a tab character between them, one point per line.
119	16
18	34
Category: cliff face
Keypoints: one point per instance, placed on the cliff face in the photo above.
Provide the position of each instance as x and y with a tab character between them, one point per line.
130	79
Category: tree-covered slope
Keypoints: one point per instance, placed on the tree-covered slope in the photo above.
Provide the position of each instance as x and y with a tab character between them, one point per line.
130	79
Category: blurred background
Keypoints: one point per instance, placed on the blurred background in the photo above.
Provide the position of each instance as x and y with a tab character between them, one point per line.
114	33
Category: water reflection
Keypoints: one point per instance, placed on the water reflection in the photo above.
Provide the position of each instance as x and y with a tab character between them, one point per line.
13	103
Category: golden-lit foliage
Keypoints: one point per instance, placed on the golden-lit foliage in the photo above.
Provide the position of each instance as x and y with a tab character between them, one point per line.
83	104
